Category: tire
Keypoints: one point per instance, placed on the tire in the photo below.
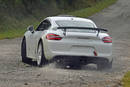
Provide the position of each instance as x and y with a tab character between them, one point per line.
41	60
23	51
104	64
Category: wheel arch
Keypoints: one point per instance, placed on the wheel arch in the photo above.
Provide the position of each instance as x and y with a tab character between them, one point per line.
24	37
22	42
26	40
40	40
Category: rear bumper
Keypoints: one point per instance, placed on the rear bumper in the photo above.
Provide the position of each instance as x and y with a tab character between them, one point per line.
53	49
68	55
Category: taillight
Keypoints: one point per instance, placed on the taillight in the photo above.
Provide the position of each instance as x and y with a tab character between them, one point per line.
107	39
53	37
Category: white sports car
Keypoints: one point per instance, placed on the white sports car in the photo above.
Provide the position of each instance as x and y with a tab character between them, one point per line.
67	38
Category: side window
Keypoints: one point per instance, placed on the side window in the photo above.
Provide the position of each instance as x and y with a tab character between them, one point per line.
44	25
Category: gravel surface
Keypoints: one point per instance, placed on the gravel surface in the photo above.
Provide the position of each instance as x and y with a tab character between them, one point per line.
116	18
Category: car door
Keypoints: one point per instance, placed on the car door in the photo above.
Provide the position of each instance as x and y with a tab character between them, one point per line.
37	35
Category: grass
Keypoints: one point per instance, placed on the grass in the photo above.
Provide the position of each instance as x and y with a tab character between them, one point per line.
17	28
126	80
94	9
11	34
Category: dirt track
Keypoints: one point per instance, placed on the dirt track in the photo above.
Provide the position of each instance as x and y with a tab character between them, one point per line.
116	18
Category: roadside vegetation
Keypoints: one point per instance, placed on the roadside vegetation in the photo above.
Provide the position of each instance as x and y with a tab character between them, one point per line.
94	9
126	80
16	15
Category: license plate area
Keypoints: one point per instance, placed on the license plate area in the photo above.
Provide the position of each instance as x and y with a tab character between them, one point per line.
82	49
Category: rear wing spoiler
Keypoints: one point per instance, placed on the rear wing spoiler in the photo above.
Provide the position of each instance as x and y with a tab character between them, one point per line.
88	28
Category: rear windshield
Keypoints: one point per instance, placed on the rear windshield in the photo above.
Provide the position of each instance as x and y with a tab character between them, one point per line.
66	23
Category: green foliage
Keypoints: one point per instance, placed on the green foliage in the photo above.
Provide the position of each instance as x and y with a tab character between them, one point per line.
45	7
93	9
126	80
16	15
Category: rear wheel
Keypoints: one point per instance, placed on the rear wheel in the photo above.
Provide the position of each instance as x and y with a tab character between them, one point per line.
41	60
104	64
23	51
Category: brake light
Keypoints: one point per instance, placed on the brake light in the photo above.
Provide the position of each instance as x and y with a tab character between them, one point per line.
107	39
53	37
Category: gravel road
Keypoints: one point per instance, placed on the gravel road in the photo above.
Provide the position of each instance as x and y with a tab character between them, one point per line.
116	18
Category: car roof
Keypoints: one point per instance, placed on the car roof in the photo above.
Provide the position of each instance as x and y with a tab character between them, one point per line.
58	18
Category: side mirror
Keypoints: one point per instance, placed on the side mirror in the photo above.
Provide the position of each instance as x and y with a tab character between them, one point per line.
31	29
